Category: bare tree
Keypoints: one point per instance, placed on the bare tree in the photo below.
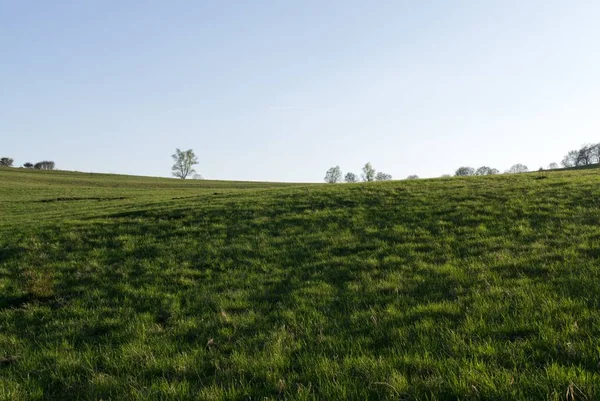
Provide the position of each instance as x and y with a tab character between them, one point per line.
368	173
351	177
184	162
412	177
595	151
553	166
464	171
587	155
333	175
6	162
383	177
197	176
484	170
570	159
517	169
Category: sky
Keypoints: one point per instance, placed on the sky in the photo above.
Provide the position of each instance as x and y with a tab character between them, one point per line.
282	90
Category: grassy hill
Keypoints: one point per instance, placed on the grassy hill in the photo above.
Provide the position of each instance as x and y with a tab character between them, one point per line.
116	287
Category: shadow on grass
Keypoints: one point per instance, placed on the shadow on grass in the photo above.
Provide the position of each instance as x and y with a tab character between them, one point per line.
189	262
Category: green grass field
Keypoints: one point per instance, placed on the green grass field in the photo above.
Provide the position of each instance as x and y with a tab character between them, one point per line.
119	287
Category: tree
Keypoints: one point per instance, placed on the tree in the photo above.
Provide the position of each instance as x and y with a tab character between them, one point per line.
484	170
588	154
383	177
333	175
44	165
517	169
552	166
412	177
464	171
184	162
595	151
197	177
6	162
351	177
28	165
368	173
570	160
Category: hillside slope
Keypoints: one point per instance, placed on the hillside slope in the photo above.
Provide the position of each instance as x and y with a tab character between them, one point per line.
116	287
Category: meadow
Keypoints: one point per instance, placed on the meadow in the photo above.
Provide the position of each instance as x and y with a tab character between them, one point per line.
477	288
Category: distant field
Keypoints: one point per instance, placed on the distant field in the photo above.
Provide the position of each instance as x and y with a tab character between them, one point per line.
121	287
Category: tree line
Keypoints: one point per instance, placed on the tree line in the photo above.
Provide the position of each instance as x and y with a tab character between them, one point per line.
43	165
185	160
588	154
466	171
334	175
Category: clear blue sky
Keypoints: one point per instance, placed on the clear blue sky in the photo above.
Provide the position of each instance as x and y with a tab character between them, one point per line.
282	90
